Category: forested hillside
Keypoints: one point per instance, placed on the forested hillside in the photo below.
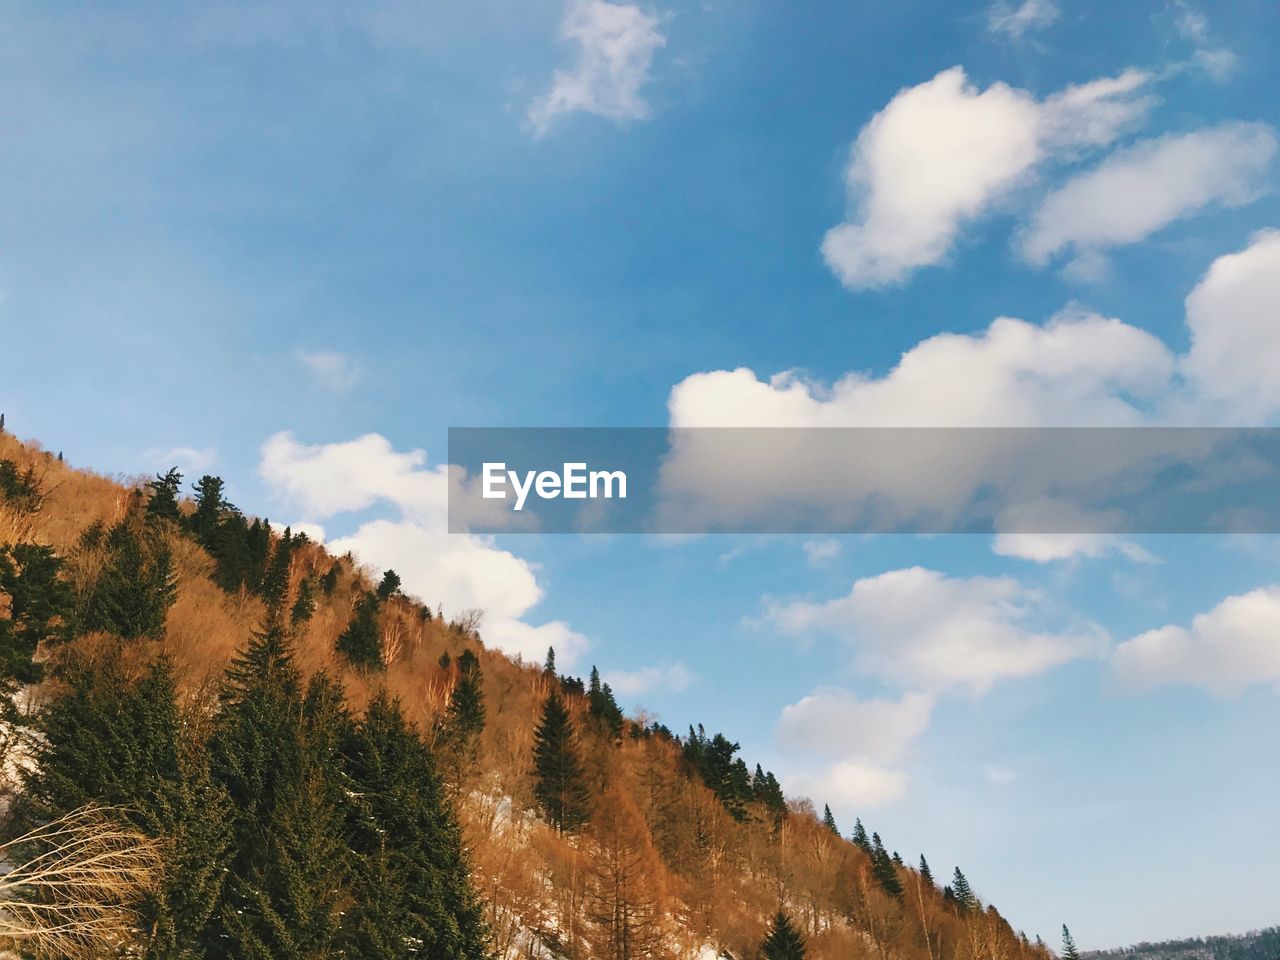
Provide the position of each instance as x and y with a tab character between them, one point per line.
1259	945
299	761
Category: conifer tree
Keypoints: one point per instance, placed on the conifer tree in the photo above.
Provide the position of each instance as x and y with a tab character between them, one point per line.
211	505
1069	951
113	740
784	941
389	586
135	589
860	838
549	667
925	873
963	893
163	502
603	708
275	582
883	868
329	581
410	883
276	751
359	642
305	604
828	820
559	788
39	606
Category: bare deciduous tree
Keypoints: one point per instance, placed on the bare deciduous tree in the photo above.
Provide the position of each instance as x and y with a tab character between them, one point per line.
68	889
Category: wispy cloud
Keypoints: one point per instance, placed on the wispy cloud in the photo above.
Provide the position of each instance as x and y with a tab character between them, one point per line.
190	460
662	678
1014	22
331	370
617	44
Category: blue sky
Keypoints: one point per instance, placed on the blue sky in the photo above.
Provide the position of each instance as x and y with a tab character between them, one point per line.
243	236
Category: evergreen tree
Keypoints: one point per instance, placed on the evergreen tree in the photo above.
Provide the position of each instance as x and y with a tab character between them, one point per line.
359	642
964	895
389	586
277	751
727	777
1069	951
559	788
603	708
925	873
39	606
549	667
163	502
828	820
784	941
860	838
305	604
410	883
897	859
329	581
882	868
113	740
275	582
765	789
135	589
211	505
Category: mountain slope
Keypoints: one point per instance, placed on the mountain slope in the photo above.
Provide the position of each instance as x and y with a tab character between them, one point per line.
682	851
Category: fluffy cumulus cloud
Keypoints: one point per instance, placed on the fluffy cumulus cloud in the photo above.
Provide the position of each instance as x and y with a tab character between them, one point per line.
928	631
458	572
1078	369
1027	17
662	678
850	785
1135	192
332	371
834	722
617	44
944	152
1232	315
1231	647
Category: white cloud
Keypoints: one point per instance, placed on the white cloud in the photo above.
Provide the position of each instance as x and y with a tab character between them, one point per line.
820	552
1028	16
333	371
1232	314
190	460
1218	62
617	45
458	571
850	785
663	678
928	631
1135	192
1048	547
943	152
834	722
1233	646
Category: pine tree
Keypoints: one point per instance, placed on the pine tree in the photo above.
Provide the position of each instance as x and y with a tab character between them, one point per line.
882	868
389	586
39	606
117	741
828	820
925	873
860	838
784	941
964	895
275	582
603	708
211	506
410	882
359	642
135	589
276	751
329	581
305	605
163	503
559	788
549	667
1069	951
